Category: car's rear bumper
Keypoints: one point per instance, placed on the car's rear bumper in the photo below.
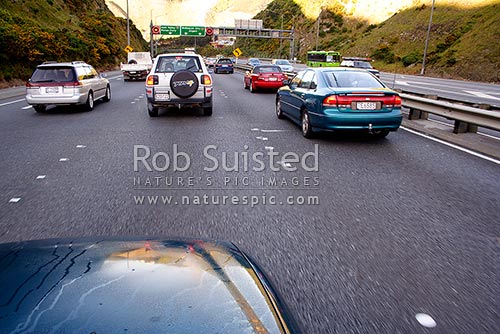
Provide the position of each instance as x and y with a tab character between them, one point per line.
357	121
260	84
200	98
135	75
225	69
73	99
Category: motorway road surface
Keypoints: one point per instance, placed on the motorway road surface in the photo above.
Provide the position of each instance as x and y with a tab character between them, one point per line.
404	225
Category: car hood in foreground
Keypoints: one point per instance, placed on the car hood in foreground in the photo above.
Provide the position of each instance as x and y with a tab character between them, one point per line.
133	286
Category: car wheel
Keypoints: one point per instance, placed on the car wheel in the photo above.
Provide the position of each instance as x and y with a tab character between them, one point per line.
107	96
207	111
380	133
40	108
152	111
306	125
279	112
184	83
252	88
89	105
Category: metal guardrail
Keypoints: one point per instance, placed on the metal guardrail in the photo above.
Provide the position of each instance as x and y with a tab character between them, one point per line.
467	119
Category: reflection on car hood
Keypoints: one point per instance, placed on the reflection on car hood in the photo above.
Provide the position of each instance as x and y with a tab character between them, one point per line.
132	286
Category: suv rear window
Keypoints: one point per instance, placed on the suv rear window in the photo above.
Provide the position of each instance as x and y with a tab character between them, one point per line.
225	61
53	74
170	64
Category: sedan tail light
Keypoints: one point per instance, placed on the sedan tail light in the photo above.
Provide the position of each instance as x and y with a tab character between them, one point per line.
330	101
152	80
345	101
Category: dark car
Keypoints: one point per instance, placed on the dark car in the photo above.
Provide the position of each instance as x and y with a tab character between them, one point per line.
136	286
358	62
224	65
264	77
253	61
339	98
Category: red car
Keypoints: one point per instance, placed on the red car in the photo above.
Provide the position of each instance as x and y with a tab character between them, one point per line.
264	77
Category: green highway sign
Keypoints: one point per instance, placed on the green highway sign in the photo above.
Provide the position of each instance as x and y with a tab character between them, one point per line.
170	30
193	31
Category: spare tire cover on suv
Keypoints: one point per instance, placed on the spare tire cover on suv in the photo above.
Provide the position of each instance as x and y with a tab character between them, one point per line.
184	83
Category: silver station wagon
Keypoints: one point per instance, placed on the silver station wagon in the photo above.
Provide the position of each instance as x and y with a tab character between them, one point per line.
68	83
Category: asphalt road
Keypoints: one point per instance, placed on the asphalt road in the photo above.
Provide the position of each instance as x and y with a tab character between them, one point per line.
404	225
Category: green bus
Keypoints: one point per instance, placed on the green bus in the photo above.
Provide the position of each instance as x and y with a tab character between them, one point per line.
323	58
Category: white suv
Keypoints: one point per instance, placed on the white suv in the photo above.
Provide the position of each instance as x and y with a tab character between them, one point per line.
179	79
64	84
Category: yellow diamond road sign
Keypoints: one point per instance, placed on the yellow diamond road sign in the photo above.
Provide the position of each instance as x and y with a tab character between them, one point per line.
237	52
128	48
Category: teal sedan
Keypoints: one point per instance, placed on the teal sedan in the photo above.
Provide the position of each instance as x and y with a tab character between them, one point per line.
338	99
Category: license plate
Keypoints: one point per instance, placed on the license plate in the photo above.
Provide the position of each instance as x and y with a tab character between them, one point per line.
52	90
273	79
162	97
366	105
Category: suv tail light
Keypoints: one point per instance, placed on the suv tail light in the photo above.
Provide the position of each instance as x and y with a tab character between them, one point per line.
205	80
152	80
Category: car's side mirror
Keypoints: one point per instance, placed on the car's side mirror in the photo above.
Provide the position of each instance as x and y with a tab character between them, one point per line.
247	72
313	85
103	75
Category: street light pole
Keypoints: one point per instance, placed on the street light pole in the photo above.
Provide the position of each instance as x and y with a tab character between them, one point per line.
317	30
128	27
427	39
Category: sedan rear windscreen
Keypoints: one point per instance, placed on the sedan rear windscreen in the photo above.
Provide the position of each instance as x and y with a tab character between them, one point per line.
354	79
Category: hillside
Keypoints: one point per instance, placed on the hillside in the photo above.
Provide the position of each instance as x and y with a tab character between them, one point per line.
32	32
463	41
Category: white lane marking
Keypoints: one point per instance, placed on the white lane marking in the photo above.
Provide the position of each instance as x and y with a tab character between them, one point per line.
80	146
270	148
272	131
41	177
116	77
254	129
14	199
27	107
285	164
133	102
64	159
453	146
481	94
425	320
11	102
487	135
402	83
